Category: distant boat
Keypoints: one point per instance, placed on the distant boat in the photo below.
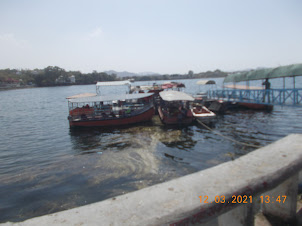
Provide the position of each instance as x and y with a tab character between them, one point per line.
106	111
156	88
200	96
173	85
174	108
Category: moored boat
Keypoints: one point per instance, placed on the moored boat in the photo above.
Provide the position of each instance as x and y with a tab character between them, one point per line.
178	86
203	114
256	106
174	108
156	89
114	110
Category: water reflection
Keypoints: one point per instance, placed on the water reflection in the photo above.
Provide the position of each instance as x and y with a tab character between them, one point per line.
181	139
93	140
86	178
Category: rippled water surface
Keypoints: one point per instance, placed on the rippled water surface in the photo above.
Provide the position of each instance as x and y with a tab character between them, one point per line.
46	167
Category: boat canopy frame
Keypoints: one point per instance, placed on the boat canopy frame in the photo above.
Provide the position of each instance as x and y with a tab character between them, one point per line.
112	83
96	105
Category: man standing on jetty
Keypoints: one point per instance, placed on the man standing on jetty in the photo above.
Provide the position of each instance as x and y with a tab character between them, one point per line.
267	85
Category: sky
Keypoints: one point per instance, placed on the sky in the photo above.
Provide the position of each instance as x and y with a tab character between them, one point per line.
162	36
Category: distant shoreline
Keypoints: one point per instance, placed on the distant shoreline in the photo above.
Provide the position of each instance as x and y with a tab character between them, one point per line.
31	87
22	87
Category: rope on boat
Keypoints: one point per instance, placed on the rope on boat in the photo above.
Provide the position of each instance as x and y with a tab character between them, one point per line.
227	138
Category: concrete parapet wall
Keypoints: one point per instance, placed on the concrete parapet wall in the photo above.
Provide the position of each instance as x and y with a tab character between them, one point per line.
177	202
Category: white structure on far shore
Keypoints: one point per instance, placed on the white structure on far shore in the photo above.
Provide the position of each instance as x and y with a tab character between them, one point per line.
72	79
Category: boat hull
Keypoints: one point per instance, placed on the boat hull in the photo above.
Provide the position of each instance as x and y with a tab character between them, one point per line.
174	120
256	106
143	117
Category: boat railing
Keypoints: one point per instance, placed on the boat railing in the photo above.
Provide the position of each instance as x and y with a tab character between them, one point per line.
140	109
264	96
167	112
103	113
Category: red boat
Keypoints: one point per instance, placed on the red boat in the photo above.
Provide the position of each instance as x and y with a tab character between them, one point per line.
112	110
256	106
173	85
174	108
156	89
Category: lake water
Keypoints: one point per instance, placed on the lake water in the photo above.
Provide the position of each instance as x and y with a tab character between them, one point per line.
45	167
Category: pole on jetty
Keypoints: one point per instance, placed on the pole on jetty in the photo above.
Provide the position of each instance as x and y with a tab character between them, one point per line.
294	81
283	90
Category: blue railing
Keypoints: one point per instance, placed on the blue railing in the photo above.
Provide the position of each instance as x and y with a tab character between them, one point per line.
271	96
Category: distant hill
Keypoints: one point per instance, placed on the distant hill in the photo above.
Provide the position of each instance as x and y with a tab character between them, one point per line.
147	73
211	74
129	74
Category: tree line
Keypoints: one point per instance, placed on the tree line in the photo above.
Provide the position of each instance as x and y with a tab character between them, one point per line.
209	74
53	75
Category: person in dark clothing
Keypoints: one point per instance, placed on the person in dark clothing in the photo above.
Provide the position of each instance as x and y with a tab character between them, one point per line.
113	115
267	85
83	117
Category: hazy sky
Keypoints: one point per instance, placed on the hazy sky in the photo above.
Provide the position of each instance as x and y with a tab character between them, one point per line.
164	36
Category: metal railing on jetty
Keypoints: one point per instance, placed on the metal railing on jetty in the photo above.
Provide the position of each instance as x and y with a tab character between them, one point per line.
291	97
228	194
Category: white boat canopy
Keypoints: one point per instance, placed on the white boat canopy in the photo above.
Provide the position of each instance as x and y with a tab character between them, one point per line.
82	95
205	82
110	98
114	83
172	95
